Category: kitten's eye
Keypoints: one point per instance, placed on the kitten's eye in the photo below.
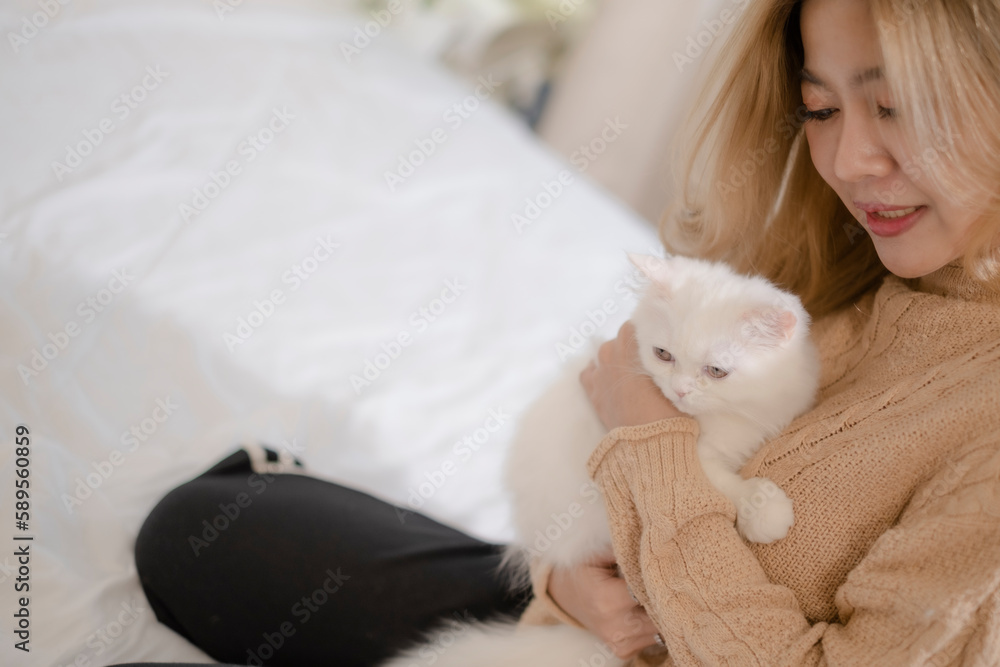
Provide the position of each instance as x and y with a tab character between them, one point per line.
716	372
663	354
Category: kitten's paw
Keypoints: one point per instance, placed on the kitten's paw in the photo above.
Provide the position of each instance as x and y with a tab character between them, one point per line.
764	512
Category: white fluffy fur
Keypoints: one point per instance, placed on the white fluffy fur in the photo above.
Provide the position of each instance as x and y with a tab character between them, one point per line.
501	644
706	317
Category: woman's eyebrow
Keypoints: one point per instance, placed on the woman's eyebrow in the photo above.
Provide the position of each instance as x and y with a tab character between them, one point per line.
870	74
809	77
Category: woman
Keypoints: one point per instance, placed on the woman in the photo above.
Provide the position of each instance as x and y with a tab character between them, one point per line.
879	117
895	475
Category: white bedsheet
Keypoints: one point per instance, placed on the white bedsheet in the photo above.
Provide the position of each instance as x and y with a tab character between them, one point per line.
126	309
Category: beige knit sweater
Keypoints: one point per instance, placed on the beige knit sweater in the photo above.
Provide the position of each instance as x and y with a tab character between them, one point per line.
894	558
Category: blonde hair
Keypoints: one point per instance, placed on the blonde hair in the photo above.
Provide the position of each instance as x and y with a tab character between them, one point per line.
747	191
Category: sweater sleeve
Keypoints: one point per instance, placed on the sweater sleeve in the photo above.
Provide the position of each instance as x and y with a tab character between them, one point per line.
926	590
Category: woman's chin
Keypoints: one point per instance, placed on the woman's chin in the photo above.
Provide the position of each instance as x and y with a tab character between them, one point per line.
905	263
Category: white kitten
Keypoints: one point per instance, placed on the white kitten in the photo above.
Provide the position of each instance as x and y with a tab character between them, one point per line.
731	351
734	353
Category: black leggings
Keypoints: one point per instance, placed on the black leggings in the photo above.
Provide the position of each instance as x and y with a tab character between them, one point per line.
286	569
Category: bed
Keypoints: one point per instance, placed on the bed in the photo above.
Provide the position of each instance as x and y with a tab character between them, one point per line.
215	229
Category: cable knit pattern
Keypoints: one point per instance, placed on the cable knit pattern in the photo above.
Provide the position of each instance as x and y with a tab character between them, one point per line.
894	558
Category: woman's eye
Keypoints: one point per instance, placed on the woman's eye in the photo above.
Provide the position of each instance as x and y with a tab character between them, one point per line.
819	114
886	112
716	372
663	354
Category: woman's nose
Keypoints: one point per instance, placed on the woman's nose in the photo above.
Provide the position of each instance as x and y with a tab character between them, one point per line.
861	151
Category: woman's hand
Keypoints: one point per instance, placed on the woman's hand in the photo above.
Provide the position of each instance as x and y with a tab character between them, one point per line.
621	393
600	601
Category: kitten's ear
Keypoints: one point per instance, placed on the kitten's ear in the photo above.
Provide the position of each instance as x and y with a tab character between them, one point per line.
652	267
655	270
768	327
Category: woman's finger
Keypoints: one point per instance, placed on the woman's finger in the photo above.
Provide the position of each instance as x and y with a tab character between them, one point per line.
638	633
607	350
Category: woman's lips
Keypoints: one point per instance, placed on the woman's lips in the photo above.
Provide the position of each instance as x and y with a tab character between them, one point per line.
888	222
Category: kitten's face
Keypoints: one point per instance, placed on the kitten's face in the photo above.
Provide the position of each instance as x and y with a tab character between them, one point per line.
711	340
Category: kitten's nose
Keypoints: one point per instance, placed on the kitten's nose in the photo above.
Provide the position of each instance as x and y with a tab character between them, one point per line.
680	387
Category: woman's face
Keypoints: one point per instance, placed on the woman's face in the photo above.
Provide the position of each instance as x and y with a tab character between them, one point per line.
857	144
